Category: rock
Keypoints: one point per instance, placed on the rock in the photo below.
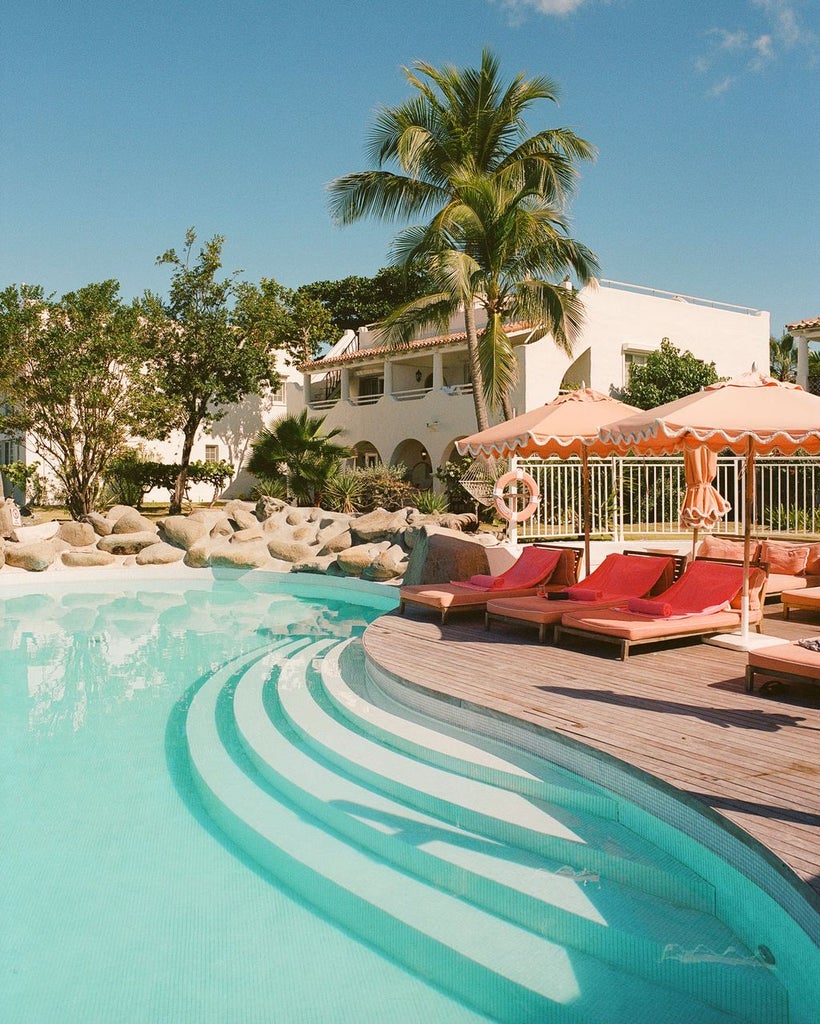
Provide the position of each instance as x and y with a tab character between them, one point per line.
160	554
336	543
244	520
198	555
30	534
35	556
285	546
267	506
2	554
322	564
101	524
8	515
247	536
378	525
207	515
85	559
253	555
306	534
114	513
388	565
132	521
297	516
440	555
182	531
355	560
79	535
222	529
237	505
127	543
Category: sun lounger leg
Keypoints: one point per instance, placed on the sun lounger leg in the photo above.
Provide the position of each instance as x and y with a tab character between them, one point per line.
487	621
750	678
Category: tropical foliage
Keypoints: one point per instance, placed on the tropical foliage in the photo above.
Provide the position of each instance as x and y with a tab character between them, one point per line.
783	358
297	450
452	152
668	374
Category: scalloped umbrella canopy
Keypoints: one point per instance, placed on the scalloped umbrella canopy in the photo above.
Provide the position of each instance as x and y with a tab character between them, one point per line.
754	414
568	425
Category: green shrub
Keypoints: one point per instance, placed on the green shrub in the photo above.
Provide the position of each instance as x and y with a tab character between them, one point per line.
432	504
344	492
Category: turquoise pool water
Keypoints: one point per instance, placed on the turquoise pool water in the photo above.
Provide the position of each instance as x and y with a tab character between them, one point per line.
160	748
119	900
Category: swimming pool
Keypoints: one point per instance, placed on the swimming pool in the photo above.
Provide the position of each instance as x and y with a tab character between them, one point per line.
133	885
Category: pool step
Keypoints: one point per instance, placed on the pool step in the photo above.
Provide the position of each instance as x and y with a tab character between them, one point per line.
324	844
583	842
345	683
599	917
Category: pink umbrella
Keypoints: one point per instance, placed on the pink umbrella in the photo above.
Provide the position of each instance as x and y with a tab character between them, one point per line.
751	415
703	507
569	425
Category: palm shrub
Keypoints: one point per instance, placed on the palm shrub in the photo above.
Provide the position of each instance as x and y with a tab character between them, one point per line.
431	503
297	450
344	492
386	487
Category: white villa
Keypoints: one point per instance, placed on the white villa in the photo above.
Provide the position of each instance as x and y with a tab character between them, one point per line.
412	404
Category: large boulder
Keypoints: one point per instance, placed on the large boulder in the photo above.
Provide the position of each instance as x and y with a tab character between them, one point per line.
378	525
160	554
182	531
86	559
283	544
101	524
132	521
78	535
336	542
388	565
244	519
34	557
198	555
355	560
440	555
267	506
31	534
8	516
127	543
321	564
221	529
251	555
249	536
2	554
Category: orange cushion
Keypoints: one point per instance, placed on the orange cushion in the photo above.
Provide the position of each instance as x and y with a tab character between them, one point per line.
629	626
813	561
787	658
757	577
566	573
722	547
786	559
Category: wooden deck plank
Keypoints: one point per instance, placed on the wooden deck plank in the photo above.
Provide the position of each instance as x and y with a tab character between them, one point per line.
678	712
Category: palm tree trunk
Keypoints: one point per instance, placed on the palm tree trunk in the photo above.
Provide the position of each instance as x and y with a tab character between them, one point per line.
479	400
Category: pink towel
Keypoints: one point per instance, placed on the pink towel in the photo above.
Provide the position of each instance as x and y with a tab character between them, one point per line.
533	566
643	606
584	594
621	576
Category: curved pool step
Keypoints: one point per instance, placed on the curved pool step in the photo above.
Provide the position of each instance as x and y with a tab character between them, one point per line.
579	840
345	684
619	925
503	969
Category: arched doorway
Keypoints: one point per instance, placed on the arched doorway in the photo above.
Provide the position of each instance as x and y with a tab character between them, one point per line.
365	455
412	454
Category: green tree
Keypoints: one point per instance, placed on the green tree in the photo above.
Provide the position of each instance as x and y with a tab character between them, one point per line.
783	358
297	450
460	126
210	344
667	375
354	302
72	375
295	322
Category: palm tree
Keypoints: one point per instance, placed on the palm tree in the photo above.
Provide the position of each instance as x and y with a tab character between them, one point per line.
296	449
460	125
499	245
783	357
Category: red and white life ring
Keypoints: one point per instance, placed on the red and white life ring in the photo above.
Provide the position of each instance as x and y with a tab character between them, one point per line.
509	511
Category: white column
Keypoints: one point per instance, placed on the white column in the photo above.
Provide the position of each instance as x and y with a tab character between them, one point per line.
438	371
344	384
802	361
388	377
306	387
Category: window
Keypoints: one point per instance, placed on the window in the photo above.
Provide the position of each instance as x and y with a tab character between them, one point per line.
277	395
370	389
212	453
635	354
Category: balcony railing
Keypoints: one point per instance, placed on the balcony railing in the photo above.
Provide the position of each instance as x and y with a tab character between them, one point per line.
405	395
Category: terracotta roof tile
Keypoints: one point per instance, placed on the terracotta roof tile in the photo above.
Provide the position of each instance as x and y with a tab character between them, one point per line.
812	324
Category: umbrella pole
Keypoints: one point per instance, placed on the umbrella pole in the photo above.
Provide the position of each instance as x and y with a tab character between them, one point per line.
748	512
586	501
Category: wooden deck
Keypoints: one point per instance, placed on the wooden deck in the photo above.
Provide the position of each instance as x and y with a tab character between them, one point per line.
679	712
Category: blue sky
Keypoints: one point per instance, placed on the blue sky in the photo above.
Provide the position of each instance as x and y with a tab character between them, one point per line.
125	123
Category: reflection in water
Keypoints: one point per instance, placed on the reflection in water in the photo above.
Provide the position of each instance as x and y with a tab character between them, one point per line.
82	653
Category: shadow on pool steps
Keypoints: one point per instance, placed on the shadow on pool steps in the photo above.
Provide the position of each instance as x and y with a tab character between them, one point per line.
376	879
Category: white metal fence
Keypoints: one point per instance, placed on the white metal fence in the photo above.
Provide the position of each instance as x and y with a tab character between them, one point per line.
641	497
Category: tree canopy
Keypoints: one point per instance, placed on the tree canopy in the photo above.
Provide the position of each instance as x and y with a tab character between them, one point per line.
209	343
71	373
354	302
667	375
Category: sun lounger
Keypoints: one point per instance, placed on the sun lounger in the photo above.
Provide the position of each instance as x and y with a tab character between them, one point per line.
790	662
802	600
704	601
537	566
617	578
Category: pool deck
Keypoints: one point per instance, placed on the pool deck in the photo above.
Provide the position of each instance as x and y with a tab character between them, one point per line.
679	712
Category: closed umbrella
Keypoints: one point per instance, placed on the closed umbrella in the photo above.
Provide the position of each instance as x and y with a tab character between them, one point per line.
752	415
568	425
703	506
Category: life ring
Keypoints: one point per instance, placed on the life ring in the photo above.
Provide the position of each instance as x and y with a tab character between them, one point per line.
517	477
